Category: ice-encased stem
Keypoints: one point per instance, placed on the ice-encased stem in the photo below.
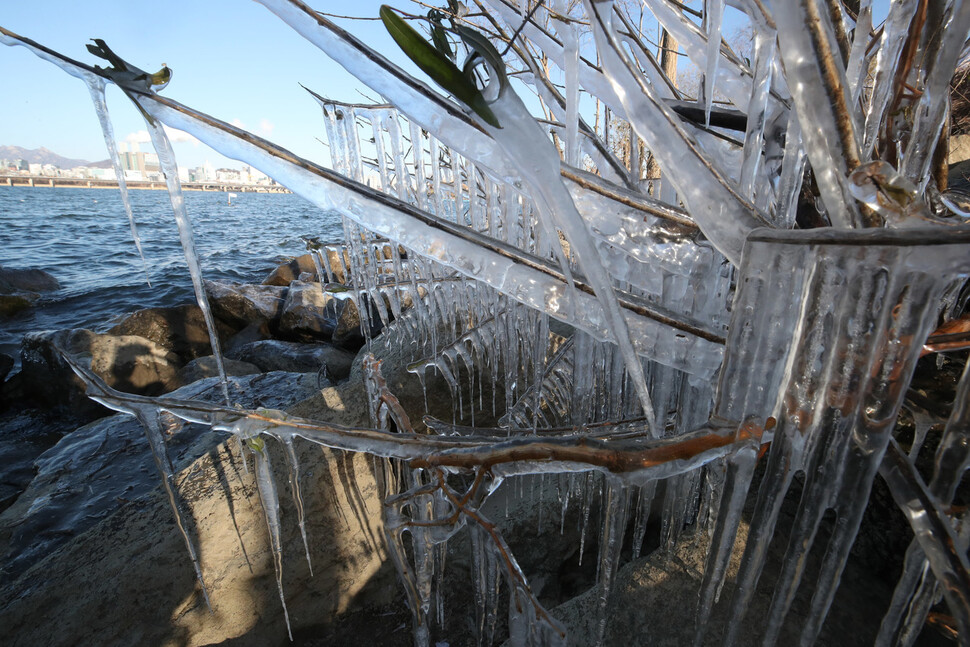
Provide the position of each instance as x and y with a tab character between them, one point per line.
166	159
722	213
96	88
813	68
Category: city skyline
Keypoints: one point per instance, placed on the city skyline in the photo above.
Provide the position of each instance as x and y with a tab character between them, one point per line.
235	61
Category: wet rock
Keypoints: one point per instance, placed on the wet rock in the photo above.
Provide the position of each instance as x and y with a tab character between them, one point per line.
126	362
310	313
256	331
292	269
240	304
273	355
11	304
97	468
203	367
25	435
128	581
26	280
180	329
348	333
6	365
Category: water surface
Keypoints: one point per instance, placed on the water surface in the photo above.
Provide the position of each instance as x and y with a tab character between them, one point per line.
82	237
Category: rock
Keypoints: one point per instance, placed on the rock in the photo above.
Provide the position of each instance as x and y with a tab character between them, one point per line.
292	269
203	367
26	280
310	313
348	333
127	580
256	331
11	304
95	469
180	329
25	435
127	363
6	365
273	355
240	304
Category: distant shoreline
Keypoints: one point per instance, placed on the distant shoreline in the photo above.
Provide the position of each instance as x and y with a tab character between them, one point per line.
43	181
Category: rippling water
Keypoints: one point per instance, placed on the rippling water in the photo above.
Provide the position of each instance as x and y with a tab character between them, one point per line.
81	236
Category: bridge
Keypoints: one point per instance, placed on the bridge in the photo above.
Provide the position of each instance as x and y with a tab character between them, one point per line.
91	183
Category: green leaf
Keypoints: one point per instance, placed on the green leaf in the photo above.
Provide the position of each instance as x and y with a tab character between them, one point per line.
440	39
436	65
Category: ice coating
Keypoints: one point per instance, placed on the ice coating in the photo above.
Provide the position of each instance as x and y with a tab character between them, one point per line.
721	213
96	88
452	246
166	159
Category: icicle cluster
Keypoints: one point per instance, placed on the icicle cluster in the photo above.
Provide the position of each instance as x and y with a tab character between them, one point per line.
633	308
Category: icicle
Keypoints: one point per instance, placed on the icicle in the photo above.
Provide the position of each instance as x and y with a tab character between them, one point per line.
616	509
149	419
740	469
271	509
96	88
764	53
713	13
166	159
294	466
645	504
570	42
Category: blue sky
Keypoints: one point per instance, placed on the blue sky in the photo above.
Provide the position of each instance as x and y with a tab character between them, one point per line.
231	58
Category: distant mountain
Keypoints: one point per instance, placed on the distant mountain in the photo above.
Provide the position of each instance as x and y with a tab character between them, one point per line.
44	156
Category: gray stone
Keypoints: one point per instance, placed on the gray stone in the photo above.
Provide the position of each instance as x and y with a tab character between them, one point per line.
310	313
256	331
6	365
26	280
240	304
273	355
127	363
180	329
203	367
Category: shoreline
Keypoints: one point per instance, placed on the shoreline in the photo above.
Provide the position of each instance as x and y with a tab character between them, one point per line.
45	182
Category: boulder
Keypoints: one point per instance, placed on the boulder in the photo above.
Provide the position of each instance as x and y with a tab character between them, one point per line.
127	580
125	362
203	367
180	329
26	280
97	468
348	333
6	365
256	331
25	435
240	304
273	355
310	313
291	270
11	304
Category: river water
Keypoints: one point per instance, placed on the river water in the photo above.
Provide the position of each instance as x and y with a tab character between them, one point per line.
82	237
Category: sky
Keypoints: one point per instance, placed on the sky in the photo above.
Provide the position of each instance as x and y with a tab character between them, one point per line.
232	59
